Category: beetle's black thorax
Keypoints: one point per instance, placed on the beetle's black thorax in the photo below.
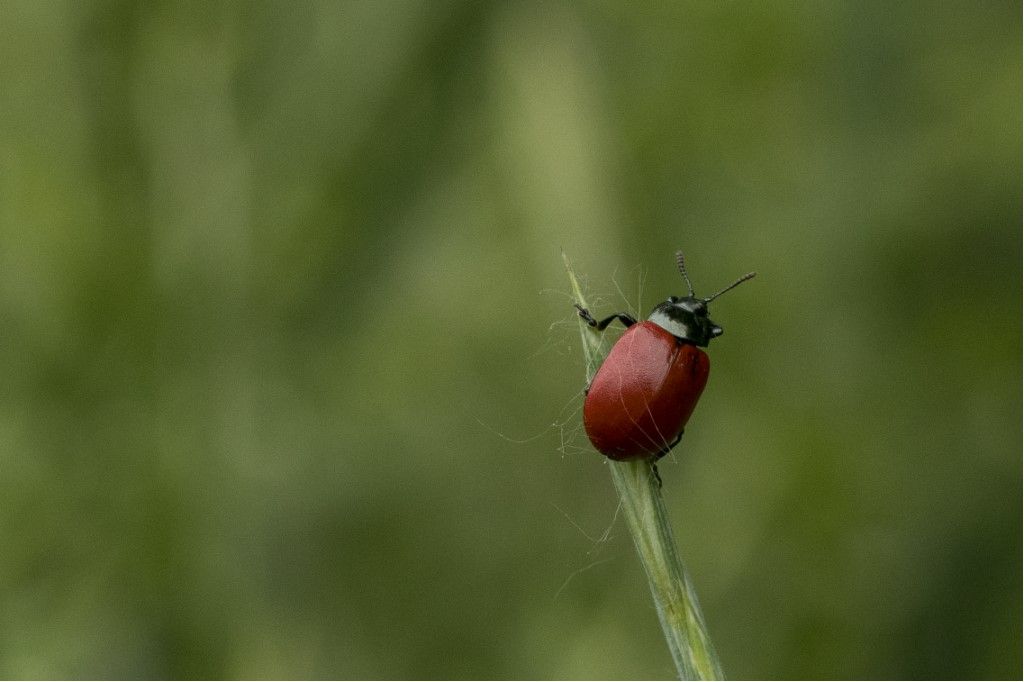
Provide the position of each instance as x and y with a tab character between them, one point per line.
686	319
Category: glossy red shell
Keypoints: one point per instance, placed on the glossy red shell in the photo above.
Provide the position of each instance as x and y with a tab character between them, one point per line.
644	393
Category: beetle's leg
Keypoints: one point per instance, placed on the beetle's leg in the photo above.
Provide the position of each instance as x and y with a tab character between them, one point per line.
654	470
664	451
626	320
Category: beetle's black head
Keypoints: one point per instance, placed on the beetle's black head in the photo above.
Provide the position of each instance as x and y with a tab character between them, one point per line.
686	318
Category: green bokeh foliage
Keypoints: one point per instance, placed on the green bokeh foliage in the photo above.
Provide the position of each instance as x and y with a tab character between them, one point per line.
285	331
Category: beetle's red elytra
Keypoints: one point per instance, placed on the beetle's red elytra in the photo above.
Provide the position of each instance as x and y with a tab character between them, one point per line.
646	389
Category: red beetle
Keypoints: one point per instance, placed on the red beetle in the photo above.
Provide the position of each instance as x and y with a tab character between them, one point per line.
647	387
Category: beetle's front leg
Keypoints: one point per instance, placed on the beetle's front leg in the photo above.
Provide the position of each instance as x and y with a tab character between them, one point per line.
626	319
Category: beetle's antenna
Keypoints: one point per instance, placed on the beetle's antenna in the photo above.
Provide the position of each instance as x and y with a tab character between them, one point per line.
682	268
741	280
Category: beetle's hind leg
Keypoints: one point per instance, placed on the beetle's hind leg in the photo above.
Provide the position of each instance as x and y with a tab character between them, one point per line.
668	448
661	453
654	472
626	320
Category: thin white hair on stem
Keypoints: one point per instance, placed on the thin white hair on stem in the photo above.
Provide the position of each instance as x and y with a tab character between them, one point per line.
597	544
641	280
574	524
578	571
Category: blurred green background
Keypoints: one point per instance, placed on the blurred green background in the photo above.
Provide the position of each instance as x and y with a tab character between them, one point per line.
291	381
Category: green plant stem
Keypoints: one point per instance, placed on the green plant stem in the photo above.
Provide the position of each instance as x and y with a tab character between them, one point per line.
647	518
